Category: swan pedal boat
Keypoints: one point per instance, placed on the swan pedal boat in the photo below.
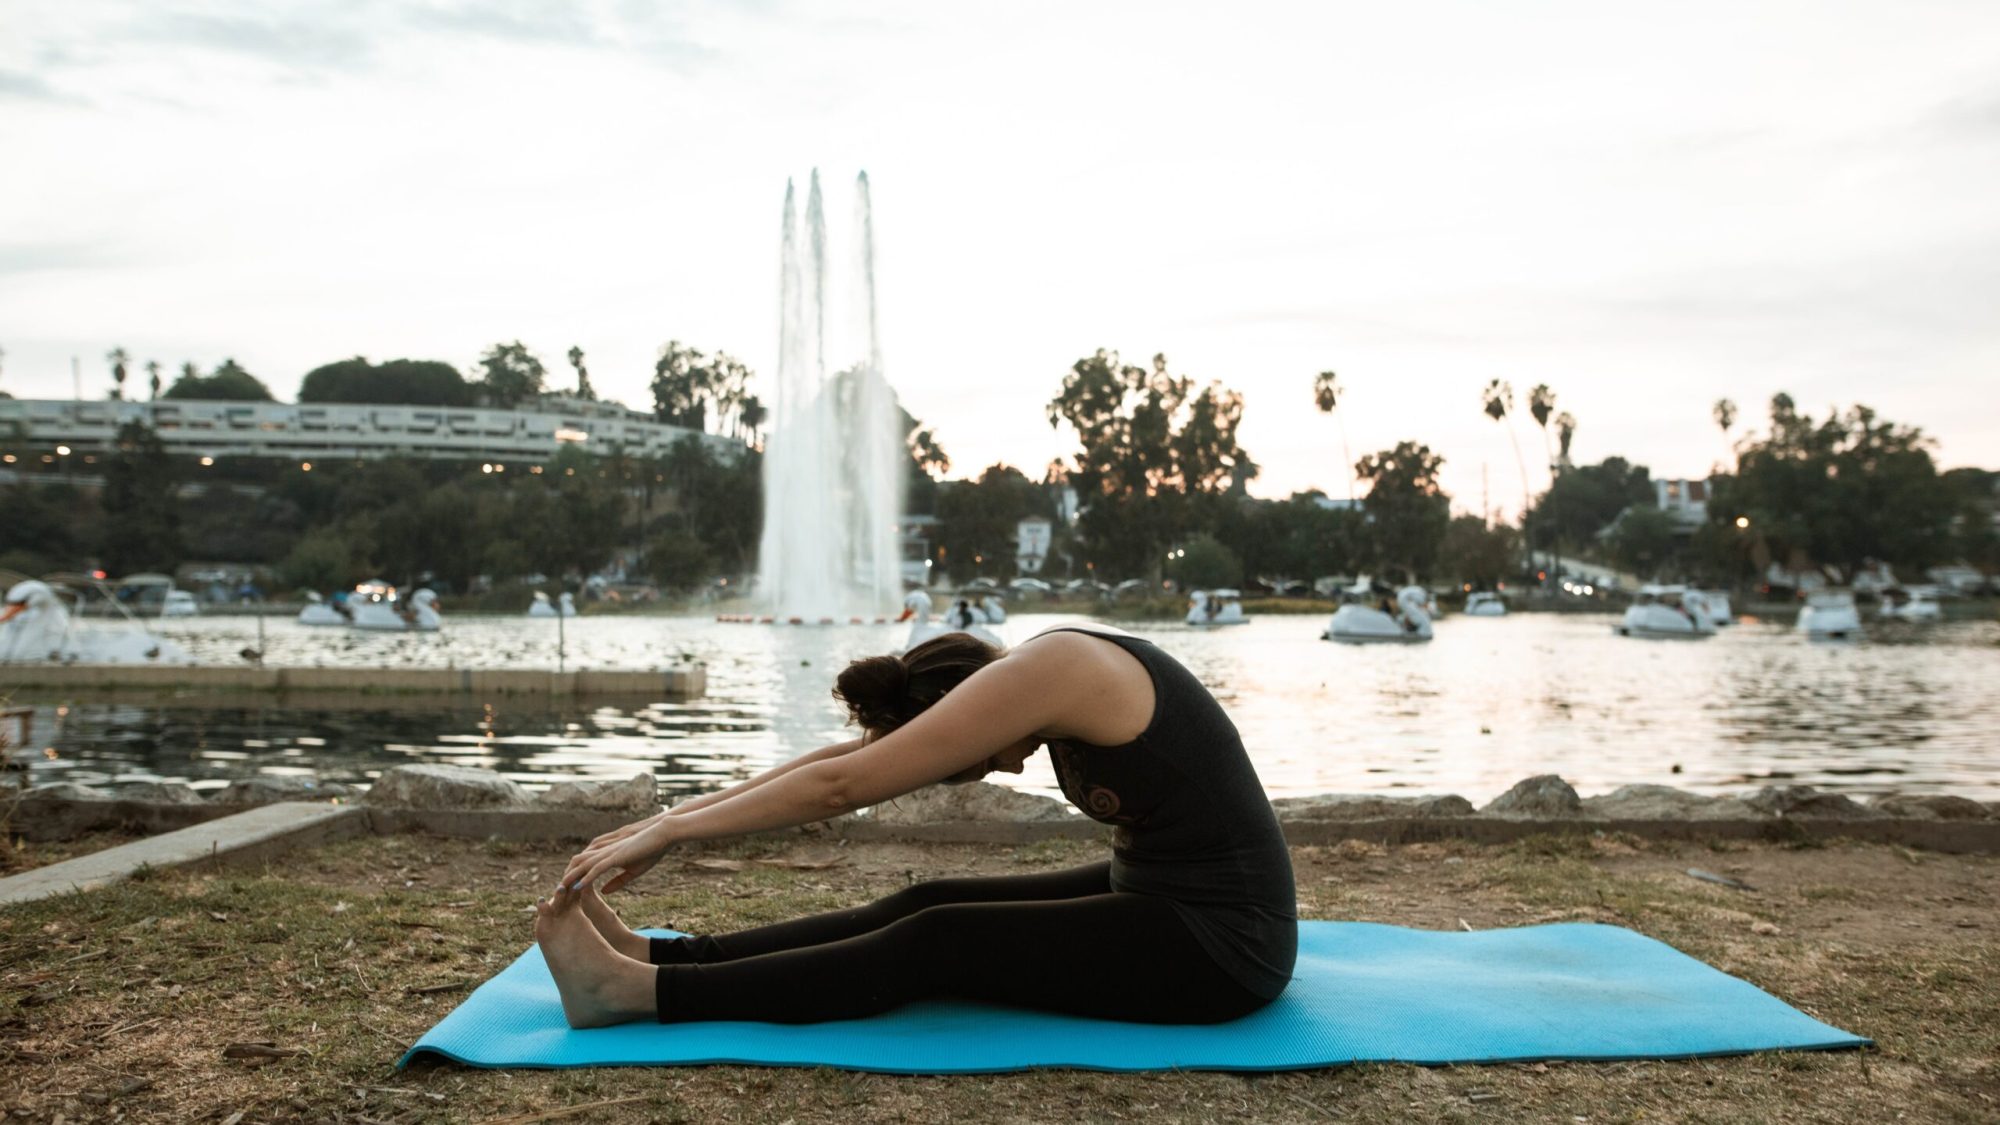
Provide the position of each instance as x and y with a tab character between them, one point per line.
1362	625
36	627
1667	613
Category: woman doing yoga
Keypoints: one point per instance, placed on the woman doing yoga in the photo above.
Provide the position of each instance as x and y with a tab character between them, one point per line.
1192	920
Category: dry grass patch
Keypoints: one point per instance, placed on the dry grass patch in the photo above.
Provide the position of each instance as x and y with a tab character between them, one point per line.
286	994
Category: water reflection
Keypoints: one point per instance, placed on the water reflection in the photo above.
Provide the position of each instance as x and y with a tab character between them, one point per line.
1486	703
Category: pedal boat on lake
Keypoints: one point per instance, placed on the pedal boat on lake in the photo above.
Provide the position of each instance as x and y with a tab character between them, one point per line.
1830	615
1364	625
1216	607
1667	613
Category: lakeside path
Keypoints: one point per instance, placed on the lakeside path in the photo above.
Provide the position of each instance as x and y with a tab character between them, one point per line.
125	1001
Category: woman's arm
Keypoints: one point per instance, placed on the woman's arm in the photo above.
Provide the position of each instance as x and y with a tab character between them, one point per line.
775	772
996	707
706	799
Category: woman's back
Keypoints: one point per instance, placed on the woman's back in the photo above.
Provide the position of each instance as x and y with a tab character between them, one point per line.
1193	824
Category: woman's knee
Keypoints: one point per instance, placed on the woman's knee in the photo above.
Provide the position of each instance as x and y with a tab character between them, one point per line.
935	892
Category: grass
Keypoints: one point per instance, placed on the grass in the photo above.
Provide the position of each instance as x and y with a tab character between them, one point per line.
126	1001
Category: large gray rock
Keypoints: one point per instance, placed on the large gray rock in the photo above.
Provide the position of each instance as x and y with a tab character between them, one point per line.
1805	801
1368	806
1544	796
429	786
158	793
977	802
251	791
1664	802
639	794
1930	806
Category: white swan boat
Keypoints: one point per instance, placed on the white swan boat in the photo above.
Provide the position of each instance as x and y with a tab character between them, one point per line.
1216	607
1909	603
1830	615
376	605
35	626
319	611
565	606
1667	613
1719	610
1485	603
1360	624
993	608
963	617
178	603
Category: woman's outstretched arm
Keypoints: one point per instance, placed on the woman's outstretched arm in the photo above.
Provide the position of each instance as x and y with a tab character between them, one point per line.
706	799
996	707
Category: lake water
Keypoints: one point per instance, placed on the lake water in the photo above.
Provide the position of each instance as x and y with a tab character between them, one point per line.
1488	702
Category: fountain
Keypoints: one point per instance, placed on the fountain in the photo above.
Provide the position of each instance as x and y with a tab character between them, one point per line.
834	459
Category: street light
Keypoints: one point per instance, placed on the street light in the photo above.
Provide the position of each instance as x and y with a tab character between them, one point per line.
1742	521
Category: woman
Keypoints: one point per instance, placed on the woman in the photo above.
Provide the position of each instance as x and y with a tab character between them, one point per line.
1193	919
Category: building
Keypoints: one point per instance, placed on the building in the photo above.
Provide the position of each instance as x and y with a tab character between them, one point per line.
1032	539
42	430
1686	500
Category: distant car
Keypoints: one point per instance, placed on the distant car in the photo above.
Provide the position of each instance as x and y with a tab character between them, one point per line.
1131	587
1085	588
1031	586
980	586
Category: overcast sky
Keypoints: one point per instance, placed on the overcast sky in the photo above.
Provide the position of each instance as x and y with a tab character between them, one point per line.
1646	207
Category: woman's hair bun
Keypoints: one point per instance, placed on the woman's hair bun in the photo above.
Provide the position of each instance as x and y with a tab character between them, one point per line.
876	690
884	692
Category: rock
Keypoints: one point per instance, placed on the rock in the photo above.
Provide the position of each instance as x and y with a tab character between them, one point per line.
1368	806
1992	809
64	791
1545	795
250	791
1664	802
639	794
428	786
1929	806
977	802
1805	801
159	793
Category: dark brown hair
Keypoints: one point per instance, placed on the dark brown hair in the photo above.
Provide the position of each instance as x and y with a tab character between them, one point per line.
884	692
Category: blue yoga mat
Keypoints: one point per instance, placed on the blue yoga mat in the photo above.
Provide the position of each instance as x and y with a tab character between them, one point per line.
1361	993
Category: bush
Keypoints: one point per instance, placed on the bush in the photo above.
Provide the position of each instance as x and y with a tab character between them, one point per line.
1205	564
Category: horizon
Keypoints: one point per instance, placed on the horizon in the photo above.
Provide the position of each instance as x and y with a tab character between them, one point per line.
1646	215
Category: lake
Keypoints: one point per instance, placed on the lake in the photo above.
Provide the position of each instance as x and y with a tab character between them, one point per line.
1488	702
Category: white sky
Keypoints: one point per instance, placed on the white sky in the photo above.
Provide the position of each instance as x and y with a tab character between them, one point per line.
1645	207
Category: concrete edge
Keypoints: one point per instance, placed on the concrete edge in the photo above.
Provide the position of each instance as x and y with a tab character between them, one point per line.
263	833
247	837
680	681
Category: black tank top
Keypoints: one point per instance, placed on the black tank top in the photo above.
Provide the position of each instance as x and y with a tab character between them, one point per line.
1192	823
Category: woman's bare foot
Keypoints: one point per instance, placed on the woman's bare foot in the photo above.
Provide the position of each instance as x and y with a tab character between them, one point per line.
620	936
599	985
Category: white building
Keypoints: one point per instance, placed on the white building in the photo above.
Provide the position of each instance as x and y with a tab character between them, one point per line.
38	428
1686	499
1032	538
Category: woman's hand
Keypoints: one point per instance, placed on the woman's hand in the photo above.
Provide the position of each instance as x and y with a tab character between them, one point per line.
617	857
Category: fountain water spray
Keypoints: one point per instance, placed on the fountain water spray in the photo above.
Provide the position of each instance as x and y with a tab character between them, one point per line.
833	463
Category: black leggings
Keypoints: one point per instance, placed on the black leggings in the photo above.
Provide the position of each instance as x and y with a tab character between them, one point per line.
1060	942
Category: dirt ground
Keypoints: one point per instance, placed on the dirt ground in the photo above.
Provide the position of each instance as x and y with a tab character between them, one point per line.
286	994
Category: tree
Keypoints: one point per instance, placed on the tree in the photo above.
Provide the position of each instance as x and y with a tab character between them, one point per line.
1477	554
153	378
583	390
1408	511
1644	539
229	383
1326	395
1154	452
1584	499
978	520
683	381
1565	433
118	358
1851	488
1497	400
752	415
396	382
510	374
1205	564
1725	419
141	504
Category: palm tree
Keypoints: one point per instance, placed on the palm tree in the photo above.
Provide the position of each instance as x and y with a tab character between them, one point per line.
118	358
1498	402
1326	395
153	377
1725	417
1565	430
583	390
752	414
1541	406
